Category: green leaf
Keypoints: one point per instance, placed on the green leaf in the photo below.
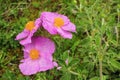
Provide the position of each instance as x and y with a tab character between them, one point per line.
65	55
74	62
75	45
36	4
21	77
105	77
86	41
8	75
66	76
115	64
95	78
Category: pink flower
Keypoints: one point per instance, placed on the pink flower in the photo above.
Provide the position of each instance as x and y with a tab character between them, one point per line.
66	61
55	64
30	28
59	67
37	56
56	23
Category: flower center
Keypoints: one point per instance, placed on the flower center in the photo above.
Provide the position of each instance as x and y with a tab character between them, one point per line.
34	54
30	25
58	22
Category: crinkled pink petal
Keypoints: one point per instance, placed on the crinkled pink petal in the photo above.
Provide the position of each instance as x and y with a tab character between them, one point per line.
69	27
38	22
22	35
45	45
27	40
26	53
29	46
22	60
49	27
50	16
55	64
64	34
45	64
58	68
29	67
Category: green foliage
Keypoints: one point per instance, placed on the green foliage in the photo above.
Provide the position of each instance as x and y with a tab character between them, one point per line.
96	41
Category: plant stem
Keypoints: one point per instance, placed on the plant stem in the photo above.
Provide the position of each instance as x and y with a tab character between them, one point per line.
117	31
117	35
74	72
100	65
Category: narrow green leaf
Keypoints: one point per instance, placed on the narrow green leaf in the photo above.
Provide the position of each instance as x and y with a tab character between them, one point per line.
66	76
115	64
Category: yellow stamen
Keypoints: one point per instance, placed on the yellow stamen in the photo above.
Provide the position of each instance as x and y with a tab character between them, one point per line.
30	25
58	22
34	54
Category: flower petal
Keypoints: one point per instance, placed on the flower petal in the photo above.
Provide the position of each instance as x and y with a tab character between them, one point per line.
48	16
45	45
49	27
27	40
55	64
26	53
38	22
22	35
29	67
69	27
45	64
29	46
64	34
58	68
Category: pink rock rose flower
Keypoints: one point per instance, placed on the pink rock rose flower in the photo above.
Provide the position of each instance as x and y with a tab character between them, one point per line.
56	23
37	56
30	28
